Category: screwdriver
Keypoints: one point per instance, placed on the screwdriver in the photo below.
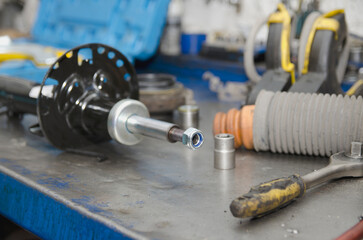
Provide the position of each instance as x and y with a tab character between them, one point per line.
273	195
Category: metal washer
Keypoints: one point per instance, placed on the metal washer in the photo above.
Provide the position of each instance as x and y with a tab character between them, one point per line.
117	119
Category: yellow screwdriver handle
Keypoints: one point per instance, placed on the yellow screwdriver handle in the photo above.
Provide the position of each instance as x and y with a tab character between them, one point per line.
268	196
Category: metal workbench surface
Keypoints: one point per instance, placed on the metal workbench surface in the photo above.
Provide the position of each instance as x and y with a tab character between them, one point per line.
159	190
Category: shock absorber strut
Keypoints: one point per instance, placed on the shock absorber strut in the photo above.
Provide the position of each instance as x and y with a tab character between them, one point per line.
296	123
90	94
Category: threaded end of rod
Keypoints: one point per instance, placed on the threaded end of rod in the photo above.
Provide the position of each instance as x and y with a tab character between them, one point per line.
175	134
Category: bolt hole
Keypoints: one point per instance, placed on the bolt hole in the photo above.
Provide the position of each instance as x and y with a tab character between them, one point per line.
56	65
69	54
119	63
197	140
85	55
111	55
127	77
100	50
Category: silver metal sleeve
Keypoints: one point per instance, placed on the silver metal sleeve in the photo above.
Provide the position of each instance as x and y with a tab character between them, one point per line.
149	127
188	116
224	152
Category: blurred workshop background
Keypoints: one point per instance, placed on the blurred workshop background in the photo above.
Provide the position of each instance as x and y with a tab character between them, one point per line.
187	51
235	17
207	38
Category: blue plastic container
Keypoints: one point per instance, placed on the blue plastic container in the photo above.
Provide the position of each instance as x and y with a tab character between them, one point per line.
192	43
134	27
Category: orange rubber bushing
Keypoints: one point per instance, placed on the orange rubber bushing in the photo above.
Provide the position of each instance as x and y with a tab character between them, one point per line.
234	126
247	125
236	122
219	123
216	123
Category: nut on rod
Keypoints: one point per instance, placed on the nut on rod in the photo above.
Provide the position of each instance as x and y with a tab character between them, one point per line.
129	121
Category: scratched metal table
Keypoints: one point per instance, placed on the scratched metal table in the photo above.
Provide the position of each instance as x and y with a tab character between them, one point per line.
159	190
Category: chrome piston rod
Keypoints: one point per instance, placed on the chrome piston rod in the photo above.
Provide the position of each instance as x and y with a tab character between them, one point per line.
129	120
149	127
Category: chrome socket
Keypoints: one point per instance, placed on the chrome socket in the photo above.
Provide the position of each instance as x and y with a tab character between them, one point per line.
224	152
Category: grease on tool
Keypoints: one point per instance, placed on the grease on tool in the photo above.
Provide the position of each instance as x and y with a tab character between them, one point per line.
268	196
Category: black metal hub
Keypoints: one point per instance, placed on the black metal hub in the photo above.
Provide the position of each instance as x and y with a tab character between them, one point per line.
78	92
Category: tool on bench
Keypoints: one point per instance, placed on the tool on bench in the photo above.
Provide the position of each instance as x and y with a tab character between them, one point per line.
356	89
270	196
280	72
88	96
41	56
322	54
